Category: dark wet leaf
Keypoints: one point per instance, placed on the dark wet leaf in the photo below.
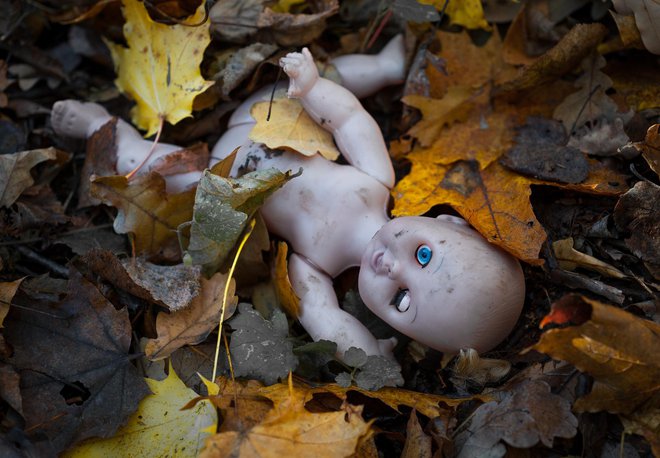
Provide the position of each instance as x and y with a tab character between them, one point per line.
77	379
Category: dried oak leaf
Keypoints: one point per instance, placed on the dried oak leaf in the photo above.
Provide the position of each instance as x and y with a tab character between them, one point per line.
147	211
527	414
159	426
160	67
609	344
77	379
638	212
194	323
290	430
290	127
650	148
261	348
15	174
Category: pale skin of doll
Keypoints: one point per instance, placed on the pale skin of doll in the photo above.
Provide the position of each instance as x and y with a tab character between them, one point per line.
434	279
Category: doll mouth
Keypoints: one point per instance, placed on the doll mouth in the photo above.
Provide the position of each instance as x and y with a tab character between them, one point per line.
401	300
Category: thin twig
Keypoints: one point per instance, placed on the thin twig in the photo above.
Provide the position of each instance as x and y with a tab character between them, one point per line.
36	257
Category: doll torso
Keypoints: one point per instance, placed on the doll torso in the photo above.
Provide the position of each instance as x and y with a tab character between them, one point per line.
326	213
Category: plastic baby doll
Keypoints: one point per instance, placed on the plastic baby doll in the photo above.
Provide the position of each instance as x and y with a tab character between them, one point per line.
434	279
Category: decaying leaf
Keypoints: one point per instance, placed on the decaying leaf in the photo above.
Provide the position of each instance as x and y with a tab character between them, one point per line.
160	67
158	427
147	211
527	414
569	259
15	172
100	160
290	430
541	152
193	324
609	344
239	21
67	398
241	64
650	148
290	127
638	212
7	292
260	348
174	286
223	207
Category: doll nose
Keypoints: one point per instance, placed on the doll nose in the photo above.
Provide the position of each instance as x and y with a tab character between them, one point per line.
388	264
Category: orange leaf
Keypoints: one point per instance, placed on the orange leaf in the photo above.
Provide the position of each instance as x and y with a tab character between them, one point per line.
611	345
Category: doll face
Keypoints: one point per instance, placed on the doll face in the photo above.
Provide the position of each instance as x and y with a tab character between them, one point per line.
438	281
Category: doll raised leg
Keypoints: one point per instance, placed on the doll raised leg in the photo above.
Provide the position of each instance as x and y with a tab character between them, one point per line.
71	118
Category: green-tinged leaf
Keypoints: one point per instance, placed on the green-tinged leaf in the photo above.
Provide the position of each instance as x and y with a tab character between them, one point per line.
371	372
15	172
159	427
260	348
222	208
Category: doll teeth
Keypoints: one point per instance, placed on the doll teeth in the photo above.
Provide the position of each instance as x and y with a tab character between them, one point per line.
401	300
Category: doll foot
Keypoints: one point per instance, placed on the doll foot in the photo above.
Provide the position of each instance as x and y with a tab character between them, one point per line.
71	118
392	60
302	72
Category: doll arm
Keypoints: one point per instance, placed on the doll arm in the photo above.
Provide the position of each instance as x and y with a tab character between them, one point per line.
336	109
321	316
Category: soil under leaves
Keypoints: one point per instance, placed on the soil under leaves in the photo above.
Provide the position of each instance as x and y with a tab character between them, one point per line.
535	121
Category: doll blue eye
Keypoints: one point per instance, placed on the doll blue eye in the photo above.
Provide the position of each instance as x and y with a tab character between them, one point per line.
423	255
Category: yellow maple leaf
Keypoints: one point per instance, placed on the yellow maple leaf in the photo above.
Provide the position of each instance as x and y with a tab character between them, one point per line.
437	113
160	67
291	127
159	427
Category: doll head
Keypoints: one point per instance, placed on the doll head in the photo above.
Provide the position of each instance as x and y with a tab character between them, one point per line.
441	283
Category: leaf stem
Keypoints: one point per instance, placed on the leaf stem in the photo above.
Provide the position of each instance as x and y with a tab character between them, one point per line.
224	296
151	151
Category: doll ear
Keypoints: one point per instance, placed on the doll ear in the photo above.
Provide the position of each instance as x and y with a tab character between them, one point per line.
453	219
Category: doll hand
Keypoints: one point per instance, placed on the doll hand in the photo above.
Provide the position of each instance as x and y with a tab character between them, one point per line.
302	72
386	347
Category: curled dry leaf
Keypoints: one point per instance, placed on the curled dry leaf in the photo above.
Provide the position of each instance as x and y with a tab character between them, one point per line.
193	324
67	398
569	259
527	414
559	60
609	344
280	275
160	67
290	127
15	174
159	427
147	211
647	18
